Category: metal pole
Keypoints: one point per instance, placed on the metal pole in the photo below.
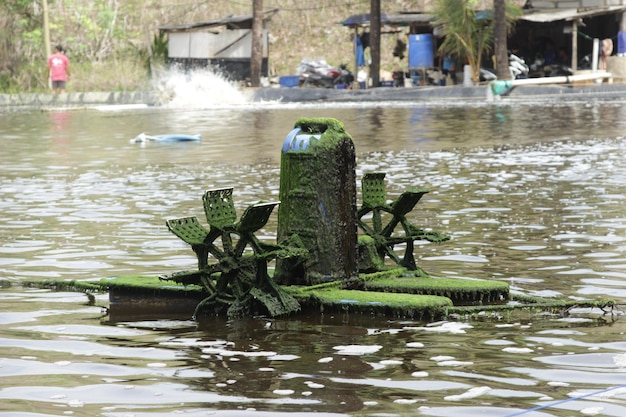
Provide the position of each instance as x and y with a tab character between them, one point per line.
574	46
256	60
354	48
375	42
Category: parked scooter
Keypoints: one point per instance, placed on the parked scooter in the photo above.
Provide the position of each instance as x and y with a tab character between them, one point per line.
322	75
517	68
557	70
552	70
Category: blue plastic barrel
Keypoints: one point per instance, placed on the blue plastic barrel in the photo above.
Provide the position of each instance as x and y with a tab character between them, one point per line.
421	53
621	43
296	141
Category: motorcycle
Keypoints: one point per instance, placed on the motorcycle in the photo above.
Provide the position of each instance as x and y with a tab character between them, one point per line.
517	68
557	70
552	70
322	75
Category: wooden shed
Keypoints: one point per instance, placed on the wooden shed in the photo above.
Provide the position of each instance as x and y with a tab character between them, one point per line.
222	44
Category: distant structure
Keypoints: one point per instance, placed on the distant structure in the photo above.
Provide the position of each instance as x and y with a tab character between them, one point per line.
568	24
223	44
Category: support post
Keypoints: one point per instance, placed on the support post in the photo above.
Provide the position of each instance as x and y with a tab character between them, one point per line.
574	45
257	43
375	42
500	41
46	37
595	54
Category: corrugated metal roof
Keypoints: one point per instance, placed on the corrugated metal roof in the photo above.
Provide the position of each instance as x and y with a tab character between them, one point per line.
532	15
408	18
231	22
400	19
553	15
362	19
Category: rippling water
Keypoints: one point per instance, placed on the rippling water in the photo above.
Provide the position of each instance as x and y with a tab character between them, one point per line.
532	193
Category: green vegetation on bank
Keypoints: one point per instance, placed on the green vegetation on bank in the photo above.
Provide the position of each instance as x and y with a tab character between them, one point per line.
469	34
108	42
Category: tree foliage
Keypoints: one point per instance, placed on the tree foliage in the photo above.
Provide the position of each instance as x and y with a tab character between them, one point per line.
468	32
21	33
90	31
99	35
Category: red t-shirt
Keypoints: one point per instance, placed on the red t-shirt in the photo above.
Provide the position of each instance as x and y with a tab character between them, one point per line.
58	64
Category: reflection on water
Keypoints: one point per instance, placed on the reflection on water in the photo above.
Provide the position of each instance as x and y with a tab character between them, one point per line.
531	194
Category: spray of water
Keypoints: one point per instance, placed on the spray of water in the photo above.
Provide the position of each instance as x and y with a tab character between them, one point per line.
199	88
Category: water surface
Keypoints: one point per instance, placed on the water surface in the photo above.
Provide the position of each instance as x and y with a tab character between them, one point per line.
531	193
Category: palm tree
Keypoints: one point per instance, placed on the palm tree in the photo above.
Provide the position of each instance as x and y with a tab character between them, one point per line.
469	33
500	39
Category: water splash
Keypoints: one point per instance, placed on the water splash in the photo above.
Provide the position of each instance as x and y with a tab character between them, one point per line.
198	89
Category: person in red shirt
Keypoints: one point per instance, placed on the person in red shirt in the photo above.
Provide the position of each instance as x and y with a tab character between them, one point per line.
58	70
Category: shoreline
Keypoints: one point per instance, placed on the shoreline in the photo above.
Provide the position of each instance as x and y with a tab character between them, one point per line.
304	95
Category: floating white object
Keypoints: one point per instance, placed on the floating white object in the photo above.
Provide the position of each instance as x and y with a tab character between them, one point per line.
499	87
170	137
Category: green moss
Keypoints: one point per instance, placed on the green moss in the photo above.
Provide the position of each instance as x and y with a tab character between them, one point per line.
436	284
400	299
64	285
369	297
310	288
393	272
368	255
317	125
461	291
384	304
318	203
538	305
143	283
532	299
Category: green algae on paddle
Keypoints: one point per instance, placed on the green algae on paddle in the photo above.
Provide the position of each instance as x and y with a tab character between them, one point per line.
384	304
73	285
533	305
370	297
461	291
137	291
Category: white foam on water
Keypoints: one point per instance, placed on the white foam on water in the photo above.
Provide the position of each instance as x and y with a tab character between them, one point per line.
283	391
454	363
517	350
444	327
197	89
471	393
591	411
357	349
620	360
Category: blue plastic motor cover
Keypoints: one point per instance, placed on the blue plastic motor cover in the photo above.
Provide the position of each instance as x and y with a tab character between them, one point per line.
297	141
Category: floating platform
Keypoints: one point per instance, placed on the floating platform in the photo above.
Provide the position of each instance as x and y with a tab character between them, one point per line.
394	293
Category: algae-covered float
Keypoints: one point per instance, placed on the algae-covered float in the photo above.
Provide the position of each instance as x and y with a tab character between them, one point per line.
329	255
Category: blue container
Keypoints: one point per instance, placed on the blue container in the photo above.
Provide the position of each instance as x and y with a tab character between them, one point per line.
621	43
298	141
421	51
289	81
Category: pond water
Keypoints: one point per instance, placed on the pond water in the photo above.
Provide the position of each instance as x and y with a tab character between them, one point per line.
532	193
